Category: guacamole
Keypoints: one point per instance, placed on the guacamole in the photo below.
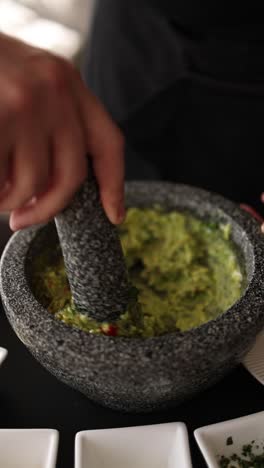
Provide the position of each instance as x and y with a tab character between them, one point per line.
183	272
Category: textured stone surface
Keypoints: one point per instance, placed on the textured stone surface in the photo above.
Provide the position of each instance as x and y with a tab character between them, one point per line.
135	374
93	255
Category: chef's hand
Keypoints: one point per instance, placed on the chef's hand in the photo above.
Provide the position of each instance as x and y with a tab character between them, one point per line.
49	121
254	213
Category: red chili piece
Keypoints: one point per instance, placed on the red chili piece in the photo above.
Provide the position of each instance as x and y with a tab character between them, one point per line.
109	329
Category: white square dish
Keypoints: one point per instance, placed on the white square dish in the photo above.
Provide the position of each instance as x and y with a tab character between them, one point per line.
229	437
3	355
254	361
28	448
153	446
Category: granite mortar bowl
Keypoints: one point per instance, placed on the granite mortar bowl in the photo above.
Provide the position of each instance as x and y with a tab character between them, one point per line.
140	375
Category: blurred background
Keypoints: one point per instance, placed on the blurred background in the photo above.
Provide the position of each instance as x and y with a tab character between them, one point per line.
61	27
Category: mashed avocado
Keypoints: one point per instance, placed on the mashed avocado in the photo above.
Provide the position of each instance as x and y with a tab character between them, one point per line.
183	272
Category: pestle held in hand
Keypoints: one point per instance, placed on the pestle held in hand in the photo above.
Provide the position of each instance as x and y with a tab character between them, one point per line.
93	255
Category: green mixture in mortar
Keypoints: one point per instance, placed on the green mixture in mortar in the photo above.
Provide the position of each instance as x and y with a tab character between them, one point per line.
183	272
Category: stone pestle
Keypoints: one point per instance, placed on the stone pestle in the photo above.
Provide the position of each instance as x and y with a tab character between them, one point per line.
93	255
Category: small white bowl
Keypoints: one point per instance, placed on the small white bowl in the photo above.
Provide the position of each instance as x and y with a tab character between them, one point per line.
153	446
213	439
254	361
28	448
3	354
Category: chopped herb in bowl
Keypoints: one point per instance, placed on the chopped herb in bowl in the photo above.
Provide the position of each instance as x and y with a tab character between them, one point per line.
250	456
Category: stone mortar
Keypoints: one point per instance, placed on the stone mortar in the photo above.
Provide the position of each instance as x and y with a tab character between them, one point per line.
140	375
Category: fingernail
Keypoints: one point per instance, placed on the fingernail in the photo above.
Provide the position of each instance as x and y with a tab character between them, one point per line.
15	223
116	214
121	214
111	214
14	226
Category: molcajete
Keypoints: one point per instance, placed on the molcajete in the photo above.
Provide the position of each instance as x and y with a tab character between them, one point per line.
133	374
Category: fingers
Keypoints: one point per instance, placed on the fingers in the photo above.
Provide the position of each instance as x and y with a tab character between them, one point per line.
29	172
252	212
106	147
52	202
5	156
44	102
68	171
262	199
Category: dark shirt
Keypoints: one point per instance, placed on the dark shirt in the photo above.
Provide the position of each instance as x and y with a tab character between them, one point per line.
212	16
185	81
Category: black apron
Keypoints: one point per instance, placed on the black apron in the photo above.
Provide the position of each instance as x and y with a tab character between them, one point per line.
188	92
